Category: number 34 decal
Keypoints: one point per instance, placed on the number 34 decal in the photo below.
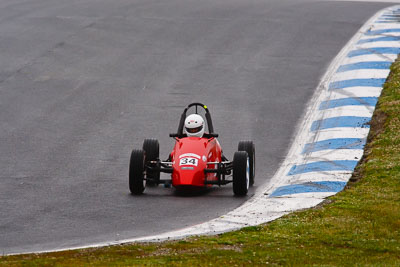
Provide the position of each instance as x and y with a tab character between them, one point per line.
188	161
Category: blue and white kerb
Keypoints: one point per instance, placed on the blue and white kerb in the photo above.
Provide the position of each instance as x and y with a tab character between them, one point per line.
338	132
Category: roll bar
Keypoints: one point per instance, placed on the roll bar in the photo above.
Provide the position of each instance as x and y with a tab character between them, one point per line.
180	133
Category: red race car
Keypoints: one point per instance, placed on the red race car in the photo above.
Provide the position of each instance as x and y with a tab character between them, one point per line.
196	161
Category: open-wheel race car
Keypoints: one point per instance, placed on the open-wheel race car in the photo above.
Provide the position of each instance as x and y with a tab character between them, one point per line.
196	160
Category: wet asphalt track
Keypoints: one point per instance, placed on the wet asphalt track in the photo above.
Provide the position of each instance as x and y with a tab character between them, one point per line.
82	82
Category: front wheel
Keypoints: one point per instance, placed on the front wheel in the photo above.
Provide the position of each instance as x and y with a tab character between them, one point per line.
249	147
152	149
136	172
241	173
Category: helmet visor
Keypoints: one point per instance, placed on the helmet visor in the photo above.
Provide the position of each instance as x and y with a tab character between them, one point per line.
194	130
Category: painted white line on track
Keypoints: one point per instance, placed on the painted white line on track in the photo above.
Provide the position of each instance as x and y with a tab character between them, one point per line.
360	111
374	57
360	92
362	73
371	45
342	133
329	141
334	154
327	176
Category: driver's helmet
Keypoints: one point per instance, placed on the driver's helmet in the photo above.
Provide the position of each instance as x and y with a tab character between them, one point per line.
194	125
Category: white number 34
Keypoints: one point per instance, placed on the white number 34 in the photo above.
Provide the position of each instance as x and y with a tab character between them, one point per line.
188	161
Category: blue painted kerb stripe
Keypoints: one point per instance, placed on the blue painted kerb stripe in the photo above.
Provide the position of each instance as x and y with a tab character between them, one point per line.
391	18
374	50
381	31
385	21
375	65
337	143
321	166
357	82
311	187
380	39
341	121
351	101
393	15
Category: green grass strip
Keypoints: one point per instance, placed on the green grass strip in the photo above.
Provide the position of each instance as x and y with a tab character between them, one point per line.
358	226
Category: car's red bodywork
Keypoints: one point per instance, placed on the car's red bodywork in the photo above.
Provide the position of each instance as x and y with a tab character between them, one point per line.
195	162
189	160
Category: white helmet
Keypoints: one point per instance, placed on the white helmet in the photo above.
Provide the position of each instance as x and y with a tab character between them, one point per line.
194	125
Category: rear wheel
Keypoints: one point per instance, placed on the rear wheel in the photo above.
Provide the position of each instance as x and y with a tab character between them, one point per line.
152	150
241	173
136	172
249	147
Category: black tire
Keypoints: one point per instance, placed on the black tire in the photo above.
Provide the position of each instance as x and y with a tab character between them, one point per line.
136	172
152	149
249	147
241	173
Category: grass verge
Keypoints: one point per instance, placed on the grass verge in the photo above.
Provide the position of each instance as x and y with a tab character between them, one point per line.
359	226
